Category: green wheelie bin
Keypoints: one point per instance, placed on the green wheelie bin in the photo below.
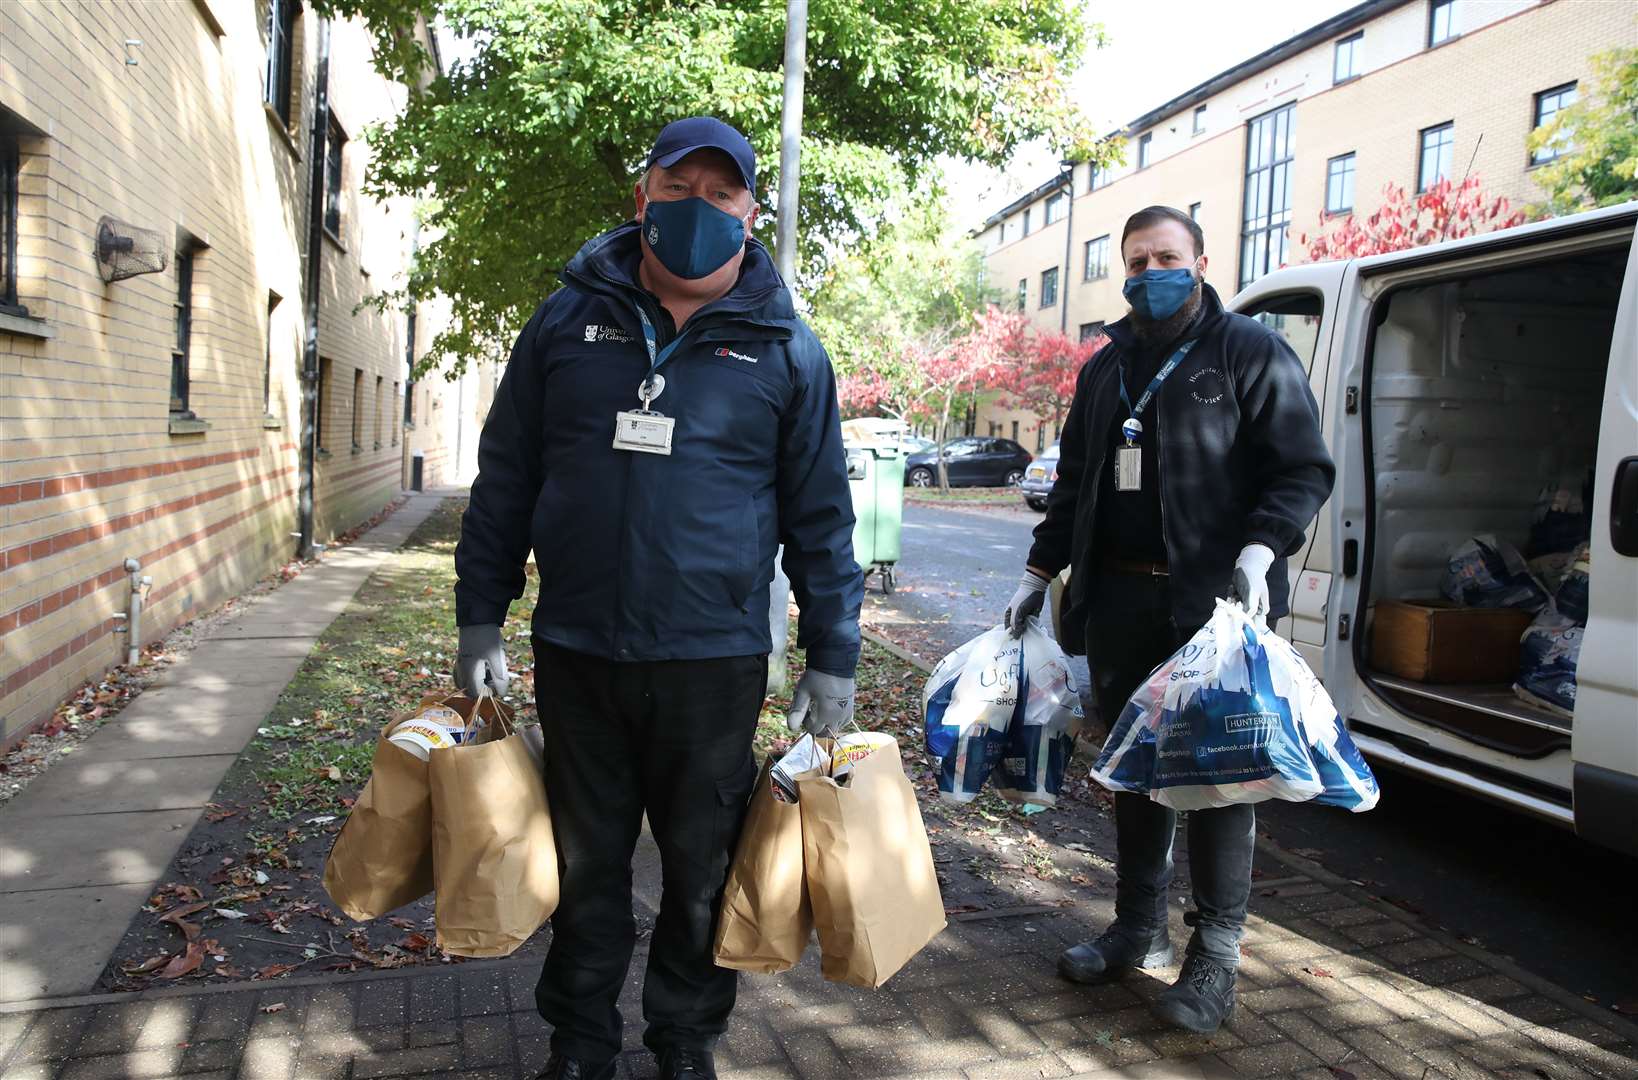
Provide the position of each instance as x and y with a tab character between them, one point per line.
875	474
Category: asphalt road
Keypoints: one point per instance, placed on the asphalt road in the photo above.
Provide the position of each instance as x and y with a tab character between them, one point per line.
1560	908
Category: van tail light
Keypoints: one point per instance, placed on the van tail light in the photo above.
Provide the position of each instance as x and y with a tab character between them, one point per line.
1054	477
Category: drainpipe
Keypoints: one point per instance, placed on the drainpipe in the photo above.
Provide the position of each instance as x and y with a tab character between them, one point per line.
315	250
140	583
1069	249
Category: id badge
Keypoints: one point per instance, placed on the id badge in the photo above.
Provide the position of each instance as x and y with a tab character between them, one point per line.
1128	468
643	432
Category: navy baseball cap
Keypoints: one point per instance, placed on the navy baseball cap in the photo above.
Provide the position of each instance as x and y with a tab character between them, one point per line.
680	138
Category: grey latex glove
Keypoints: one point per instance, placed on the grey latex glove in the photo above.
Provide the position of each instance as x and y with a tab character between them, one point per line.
1250	584
481	661
1025	603
822	704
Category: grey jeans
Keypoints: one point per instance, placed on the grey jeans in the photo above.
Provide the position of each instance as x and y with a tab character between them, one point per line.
1130	633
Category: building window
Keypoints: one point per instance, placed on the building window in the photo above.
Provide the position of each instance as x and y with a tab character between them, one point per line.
1091	330
1040	438
358	413
1441	21
394	427
273	299
1438	155
1055	207
1199	119
1097	176
1145	149
1339	184
1349	58
321	402
1049	287
1015	431
995	427
409	366
380	408
332	179
9	159
1194	211
281	30
1097	259
181	347
1267	215
1026	221
1023	293
1549	103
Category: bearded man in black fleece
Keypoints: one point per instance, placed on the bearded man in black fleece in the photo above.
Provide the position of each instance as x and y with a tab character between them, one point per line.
1191	466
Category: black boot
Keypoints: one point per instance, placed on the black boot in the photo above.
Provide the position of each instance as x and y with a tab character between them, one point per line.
562	1067
1201	998
687	1063
1113	952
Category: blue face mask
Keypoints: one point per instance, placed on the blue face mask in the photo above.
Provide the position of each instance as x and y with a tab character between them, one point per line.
691	237
1157	294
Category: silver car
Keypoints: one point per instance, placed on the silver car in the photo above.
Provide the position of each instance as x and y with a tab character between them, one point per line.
1039	477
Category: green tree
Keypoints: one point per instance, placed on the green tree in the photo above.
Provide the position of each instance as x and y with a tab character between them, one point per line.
1599	165
532	146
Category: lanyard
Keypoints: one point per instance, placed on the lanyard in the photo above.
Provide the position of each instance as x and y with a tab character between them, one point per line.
656	356
1154	384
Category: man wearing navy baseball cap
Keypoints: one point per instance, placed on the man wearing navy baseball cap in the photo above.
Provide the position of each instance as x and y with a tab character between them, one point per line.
665	422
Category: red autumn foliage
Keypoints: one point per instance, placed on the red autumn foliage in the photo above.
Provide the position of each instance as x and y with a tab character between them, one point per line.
1043	381
1445	211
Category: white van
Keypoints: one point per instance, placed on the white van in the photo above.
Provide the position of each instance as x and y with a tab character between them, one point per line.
1455	383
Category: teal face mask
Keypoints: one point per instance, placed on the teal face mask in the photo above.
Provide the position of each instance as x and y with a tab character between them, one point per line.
690	237
1157	294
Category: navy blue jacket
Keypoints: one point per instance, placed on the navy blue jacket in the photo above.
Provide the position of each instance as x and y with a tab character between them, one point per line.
1242	461
649	557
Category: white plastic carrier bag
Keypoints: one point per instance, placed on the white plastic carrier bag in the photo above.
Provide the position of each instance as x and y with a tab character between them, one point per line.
1234	716
1004	706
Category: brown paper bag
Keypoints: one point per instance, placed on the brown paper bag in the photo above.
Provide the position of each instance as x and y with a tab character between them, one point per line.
382	858
765	920
869	870
493	856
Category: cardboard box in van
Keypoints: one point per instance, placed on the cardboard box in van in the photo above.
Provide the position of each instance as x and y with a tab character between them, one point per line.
1436	641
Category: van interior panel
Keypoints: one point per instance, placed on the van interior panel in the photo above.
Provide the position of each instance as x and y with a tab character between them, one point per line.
1484	391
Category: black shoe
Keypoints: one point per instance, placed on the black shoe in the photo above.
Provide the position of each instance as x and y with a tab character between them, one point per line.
562	1067
1201	998
1113	952
687	1063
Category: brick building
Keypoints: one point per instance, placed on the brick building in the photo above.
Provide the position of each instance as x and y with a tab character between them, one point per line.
159	417
1390	91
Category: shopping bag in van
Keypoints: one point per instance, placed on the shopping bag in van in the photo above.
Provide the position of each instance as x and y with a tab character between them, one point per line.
1234	716
869	869
382	858
1490	573
494	859
968	706
765	919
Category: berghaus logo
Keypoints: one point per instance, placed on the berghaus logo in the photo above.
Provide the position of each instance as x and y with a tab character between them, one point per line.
736	355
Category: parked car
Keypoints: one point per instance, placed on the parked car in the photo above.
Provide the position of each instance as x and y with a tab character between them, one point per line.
1039	477
915	444
973	461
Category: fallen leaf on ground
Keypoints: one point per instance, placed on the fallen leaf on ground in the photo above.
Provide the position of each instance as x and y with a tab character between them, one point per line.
277	1006
149	965
177	917
1341	1074
186	962
229	913
273	971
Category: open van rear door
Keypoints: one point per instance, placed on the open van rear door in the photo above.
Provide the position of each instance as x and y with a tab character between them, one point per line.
1604	743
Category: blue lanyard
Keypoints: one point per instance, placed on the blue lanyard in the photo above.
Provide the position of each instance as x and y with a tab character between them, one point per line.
1154	384
656	356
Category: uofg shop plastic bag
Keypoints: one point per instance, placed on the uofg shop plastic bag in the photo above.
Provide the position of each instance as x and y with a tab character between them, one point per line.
1004	708
1234	716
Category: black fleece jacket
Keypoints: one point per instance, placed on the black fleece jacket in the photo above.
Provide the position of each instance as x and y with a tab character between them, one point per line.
1242	461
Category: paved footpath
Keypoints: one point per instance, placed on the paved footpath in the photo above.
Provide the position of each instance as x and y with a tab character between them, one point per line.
82	848
1334	985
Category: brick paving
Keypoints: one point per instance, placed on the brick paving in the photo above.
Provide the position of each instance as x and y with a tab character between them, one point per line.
1334	985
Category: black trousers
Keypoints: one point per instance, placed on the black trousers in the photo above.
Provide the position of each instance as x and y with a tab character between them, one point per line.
672	738
1130	633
